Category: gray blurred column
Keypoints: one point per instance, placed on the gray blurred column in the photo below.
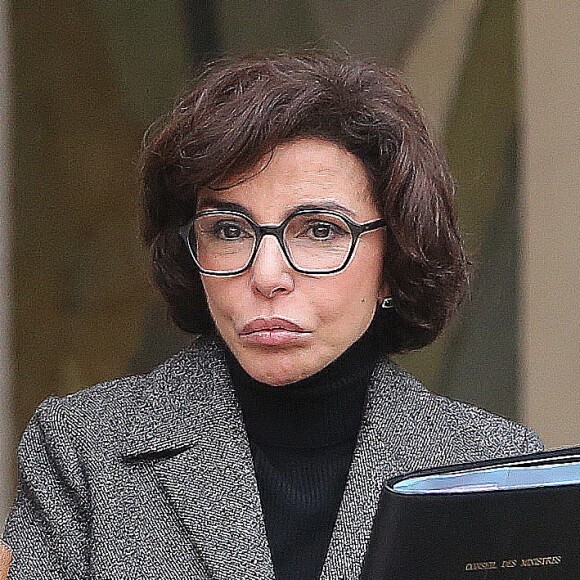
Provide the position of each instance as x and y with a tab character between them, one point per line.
550	176
6	447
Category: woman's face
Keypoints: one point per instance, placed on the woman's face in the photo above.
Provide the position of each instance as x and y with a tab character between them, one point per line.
281	325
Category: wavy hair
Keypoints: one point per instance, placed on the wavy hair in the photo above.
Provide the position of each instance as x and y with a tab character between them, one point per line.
239	109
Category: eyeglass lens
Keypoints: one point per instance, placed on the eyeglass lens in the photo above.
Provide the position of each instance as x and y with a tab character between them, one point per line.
224	242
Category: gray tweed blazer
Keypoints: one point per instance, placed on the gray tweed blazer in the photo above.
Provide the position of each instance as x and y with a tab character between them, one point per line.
152	477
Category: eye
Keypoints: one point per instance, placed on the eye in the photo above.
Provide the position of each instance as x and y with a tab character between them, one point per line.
320	230
230	230
324	231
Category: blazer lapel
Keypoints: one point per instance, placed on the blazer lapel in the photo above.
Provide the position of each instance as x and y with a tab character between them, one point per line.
190	432
387	445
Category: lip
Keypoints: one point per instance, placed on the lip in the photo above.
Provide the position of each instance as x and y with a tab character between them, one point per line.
274	331
271	323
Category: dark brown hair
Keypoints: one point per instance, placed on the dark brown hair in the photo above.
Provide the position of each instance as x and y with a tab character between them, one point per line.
239	109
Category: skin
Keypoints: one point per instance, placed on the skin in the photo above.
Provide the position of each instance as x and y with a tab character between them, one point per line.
333	310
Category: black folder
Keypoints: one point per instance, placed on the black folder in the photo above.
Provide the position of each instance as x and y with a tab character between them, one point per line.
502	519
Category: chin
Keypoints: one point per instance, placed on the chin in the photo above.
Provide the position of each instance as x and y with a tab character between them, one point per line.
275	381
281	365
276	369
275	377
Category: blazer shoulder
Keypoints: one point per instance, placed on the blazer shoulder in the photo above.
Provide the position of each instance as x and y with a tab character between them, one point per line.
486	430
108	407
455	430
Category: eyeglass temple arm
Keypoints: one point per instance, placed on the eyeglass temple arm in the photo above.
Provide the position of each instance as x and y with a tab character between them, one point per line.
374	225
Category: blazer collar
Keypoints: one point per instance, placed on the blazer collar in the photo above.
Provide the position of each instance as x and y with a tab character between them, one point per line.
189	430
386	440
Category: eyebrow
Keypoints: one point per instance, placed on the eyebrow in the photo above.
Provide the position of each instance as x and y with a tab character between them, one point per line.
329	205
212	203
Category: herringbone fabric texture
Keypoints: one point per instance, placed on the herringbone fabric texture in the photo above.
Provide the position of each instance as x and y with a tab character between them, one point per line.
151	477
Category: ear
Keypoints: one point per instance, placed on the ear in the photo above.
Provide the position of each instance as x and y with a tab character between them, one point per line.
384	292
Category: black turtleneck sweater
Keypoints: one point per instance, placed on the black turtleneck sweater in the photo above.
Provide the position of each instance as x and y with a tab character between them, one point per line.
302	438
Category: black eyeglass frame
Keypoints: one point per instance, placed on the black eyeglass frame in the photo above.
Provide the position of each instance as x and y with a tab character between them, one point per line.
356	231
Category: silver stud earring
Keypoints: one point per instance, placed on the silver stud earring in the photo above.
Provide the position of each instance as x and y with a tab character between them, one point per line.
387	303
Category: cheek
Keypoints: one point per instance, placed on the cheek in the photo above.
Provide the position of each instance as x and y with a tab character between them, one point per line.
220	296
365	274
348	299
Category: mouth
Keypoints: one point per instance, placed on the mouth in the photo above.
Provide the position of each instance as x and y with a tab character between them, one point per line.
271	324
272	332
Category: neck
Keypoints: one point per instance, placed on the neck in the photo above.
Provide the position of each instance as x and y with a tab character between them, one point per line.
320	410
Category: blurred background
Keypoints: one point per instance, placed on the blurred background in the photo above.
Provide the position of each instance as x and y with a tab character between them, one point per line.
80	82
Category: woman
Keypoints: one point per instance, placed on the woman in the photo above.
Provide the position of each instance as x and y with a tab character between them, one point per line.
300	219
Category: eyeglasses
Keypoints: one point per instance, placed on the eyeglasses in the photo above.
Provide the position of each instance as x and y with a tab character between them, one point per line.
225	243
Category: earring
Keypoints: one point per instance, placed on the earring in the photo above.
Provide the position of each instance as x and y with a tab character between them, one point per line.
387	303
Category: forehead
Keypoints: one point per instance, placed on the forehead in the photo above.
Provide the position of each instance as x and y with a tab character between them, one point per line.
309	172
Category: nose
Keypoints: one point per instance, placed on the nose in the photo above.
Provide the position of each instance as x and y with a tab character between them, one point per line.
271	274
